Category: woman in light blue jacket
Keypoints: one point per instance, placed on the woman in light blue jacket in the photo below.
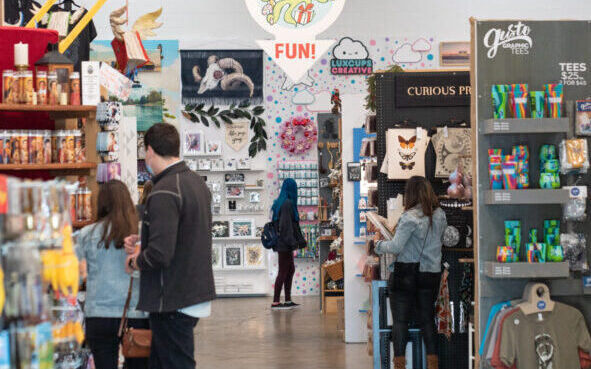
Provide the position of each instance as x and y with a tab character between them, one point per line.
107	284
415	276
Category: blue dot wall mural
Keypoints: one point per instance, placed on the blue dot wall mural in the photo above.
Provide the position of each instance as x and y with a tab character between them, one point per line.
285	100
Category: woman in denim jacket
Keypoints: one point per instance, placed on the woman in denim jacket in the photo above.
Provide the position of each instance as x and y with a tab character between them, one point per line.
101	246
415	276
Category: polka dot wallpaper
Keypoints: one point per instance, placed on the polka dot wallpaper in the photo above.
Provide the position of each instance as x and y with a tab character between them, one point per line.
284	100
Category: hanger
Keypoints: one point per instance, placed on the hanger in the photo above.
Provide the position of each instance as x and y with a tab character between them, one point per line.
536	299
406	124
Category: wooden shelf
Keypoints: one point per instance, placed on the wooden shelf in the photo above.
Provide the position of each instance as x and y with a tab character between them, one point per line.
326	238
81	224
334	291
52	166
55	111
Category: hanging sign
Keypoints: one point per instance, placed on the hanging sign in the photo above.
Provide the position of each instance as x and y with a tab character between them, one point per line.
295	24
350	57
437	89
237	135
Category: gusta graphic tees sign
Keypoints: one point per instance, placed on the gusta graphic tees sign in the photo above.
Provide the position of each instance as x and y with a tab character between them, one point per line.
350	57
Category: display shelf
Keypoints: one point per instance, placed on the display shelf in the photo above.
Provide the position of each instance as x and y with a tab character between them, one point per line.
522	197
326	238
234	183
49	108
259	269
253	188
334	291
214	239
526	270
52	166
526	125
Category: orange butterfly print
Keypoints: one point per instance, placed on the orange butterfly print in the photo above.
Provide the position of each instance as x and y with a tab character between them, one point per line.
407	144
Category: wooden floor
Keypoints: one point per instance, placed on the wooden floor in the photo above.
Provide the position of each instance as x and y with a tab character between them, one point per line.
245	334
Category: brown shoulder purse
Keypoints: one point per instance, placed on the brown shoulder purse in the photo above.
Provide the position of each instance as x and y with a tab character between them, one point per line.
135	343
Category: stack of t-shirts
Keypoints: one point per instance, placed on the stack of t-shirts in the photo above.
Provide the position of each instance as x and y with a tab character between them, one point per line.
546	340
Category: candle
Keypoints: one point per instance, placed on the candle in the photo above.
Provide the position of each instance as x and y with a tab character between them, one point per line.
64	98
21	54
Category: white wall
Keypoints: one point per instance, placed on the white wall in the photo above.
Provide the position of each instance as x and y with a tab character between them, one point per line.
204	22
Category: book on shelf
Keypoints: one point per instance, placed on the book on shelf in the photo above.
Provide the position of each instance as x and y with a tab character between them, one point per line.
382	224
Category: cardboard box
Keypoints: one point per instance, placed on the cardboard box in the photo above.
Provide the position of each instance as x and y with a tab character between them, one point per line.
330	306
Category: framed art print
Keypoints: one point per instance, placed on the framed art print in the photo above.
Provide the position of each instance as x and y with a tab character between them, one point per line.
213	147
243	164
230	164
254	256
216	257
242	228
234	192
217	165
204	164
220	229
254	197
193	143
234	178
454	53
233	257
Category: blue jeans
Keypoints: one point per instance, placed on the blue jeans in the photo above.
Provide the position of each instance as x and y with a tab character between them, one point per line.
173	342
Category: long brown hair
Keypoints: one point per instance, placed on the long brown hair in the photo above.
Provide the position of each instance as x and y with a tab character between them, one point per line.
117	213
419	192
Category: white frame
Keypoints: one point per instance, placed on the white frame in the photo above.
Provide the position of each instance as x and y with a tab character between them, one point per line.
261	264
252	228
224	254
240	196
217	165
186	150
202	165
220	251
230	164
222	221
219	150
243	164
254	197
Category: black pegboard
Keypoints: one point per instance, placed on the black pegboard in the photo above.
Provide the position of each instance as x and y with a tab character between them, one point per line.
428	117
453	353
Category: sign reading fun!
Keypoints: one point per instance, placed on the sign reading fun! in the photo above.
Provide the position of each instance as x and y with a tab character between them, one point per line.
350	57
295	24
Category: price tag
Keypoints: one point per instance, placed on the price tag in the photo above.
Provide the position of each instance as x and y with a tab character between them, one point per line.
577	192
419	133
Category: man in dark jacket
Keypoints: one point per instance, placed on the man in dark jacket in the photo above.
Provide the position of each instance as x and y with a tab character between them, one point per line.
176	285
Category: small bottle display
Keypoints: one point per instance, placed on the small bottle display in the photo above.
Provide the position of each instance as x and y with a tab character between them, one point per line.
75	88
42	88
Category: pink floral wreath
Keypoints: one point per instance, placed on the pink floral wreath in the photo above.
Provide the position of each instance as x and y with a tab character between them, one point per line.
297	135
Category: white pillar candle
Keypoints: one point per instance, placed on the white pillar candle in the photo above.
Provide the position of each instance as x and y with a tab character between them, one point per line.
63	98
21	54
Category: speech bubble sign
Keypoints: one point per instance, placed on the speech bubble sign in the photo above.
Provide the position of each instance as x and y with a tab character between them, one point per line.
295	25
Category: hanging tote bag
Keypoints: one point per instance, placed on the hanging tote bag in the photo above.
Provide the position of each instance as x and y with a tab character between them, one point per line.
135	343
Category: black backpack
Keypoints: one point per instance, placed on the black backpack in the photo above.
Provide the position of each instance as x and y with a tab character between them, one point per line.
269	237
